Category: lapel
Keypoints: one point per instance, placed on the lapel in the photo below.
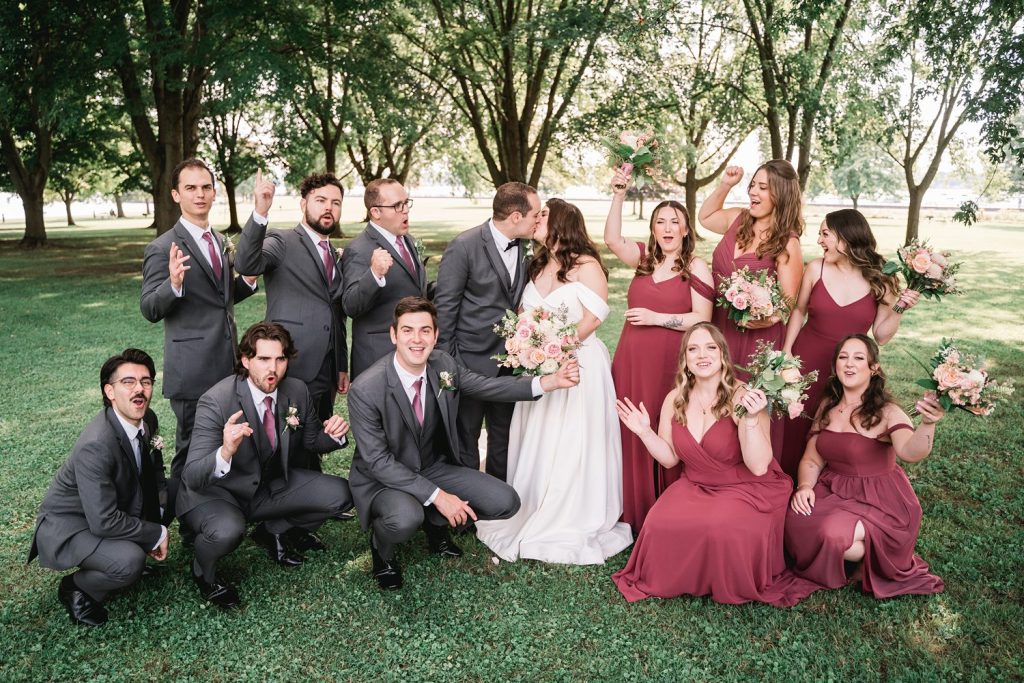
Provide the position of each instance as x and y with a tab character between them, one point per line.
127	452
443	399
491	251
189	246
375	235
252	416
398	394
524	262
284	435
314	253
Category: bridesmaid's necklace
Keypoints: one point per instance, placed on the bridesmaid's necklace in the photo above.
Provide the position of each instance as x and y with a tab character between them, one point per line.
700	404
842	407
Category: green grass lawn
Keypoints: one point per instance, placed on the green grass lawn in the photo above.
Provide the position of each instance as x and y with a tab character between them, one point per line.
65	309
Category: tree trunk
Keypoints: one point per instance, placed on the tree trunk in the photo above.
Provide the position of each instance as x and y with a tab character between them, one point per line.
35	227
641	216
120	206
914	213
67	209
330	158
165	210
691	192
229	190
855	198
147	205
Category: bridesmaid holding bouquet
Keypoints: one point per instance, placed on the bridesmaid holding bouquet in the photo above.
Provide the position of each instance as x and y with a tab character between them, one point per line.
671	291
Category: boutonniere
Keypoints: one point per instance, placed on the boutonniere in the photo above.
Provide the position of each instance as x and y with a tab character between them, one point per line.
156	443
291	420
229	246
419	246
447	382
338	253
529	249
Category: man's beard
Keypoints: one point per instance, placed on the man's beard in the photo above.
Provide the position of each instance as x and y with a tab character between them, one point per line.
314	223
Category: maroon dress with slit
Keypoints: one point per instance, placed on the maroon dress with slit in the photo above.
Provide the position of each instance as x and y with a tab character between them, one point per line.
644	369
717	531
827	323
861	482
743	342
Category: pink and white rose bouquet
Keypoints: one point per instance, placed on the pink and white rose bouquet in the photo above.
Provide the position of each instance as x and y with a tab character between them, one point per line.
637	153
537	341
778	376
926	270
751	296
961	380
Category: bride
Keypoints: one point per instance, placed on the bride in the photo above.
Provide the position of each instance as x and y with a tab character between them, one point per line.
565	455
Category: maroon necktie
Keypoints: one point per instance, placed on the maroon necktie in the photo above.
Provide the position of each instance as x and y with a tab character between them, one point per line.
328	261
417	402
270	422
404	253
214	256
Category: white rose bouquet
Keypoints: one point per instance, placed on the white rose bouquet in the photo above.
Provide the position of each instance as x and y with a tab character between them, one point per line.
537	340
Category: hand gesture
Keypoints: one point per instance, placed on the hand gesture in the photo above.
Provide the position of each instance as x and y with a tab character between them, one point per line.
343	383
760	323
335	427
176	266
264	194
159	553
802	501
929	408
234	432
567	376
636	419
732	175
621	179
641	316
908	299
454	509
381	262
754	401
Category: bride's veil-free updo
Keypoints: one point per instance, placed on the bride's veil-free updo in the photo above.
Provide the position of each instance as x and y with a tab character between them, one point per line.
566	242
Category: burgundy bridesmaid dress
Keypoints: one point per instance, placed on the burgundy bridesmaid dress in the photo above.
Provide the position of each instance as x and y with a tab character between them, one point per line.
717	531
743	342
827	323
861	482
644	369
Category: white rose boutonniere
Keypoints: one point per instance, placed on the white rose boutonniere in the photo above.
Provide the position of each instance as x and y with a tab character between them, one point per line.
229	246
156	443
339	252
447	382
291	420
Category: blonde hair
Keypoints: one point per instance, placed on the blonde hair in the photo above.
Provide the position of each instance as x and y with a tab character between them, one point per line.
685	379
787	214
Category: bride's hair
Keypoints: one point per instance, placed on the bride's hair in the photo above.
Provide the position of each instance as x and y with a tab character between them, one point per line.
567	241
685	379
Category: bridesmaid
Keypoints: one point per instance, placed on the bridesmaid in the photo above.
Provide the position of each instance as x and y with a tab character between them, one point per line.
671	290
853	503
843	293
718	530
763	236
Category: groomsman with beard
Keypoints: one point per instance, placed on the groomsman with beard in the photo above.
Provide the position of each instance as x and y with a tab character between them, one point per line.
102	511
197	308
381	266
249	427
483	274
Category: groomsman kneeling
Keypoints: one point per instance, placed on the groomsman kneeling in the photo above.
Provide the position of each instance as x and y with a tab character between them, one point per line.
102	511
408	470
249	430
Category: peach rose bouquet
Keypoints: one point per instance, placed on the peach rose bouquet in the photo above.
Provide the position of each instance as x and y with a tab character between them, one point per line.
637	153
926	270
961	380
778	376
751	296
537	341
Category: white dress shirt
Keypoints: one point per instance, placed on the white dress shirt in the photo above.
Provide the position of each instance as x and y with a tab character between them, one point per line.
197	234
393	241
132	431
509	257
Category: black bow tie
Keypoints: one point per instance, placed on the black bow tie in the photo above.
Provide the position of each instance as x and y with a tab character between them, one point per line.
512	244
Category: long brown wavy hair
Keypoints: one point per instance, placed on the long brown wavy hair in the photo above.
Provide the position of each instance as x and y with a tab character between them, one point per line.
852	228
567	241
875	397
685	379
787	214
654	253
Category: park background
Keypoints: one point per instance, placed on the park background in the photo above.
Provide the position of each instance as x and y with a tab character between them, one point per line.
911	108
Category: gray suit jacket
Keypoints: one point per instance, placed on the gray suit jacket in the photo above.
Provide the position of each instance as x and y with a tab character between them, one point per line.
371	306
473	292
97	489
298	294
254	459
200	338
387	436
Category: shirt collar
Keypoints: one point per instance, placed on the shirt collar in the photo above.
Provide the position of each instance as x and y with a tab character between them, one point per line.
258	396
392	239
499	238
405	376
130	429
195	230
315	236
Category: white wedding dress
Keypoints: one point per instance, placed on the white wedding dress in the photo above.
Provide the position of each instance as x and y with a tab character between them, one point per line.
565	458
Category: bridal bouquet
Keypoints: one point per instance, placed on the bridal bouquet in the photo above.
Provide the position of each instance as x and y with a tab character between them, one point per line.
751	296
926	270
961	381
637	154
778	376
537	340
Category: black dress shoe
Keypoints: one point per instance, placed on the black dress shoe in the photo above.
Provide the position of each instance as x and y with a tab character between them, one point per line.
440	541
81	606
276	548
222	595
151	570
346	516
302	540
387	572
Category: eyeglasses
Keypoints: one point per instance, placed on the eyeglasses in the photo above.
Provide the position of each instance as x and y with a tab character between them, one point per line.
400	207
131	382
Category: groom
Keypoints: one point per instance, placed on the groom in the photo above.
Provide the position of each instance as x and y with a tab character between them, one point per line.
483	274
408	468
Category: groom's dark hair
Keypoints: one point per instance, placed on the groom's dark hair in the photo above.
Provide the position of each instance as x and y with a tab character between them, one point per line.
511	197
414	304
134	356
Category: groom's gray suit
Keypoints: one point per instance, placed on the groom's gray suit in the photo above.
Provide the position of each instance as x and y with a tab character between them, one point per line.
473	292
398	464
